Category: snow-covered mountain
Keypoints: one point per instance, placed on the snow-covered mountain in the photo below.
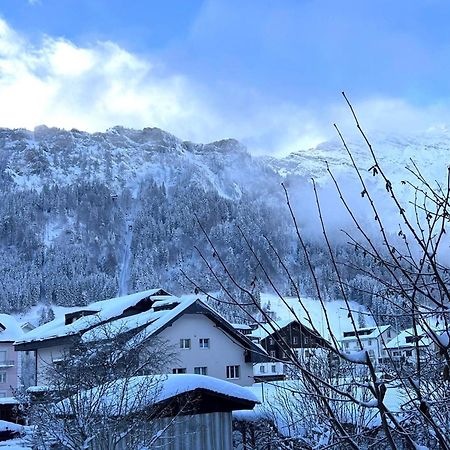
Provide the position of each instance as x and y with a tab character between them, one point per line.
85	216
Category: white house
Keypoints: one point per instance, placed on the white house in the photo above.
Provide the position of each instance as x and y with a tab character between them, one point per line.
205	343
403	348
373	340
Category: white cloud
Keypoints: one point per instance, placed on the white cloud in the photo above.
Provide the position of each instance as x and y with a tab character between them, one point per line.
93	88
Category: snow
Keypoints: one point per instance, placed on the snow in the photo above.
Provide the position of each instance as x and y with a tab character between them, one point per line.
126	395
374	332
104	310
425	338
5	426
358	357
12	331
336	312
154	319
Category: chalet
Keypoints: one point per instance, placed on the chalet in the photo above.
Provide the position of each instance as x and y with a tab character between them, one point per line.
373	340
280	339
205	342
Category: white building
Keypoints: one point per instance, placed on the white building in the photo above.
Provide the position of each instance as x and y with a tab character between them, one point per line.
373	340
205	343
403	348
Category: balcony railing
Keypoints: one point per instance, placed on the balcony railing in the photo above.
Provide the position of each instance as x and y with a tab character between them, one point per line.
7	363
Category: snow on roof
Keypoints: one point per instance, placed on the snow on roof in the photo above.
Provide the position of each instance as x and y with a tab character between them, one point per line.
10	329
241	326
10	426
127	395
266	329
103	310
335	311
151	319
366	332
406	338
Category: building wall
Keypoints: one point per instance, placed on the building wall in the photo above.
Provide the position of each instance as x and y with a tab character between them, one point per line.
223	351
212	431
10	368
45	358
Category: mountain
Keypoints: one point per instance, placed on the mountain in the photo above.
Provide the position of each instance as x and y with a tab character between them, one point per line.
87	216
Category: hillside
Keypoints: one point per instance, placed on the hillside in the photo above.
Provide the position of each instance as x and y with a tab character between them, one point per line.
88	216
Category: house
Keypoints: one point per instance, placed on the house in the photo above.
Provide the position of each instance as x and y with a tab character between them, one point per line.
192	412
280	339
10	361
402	350
205	343
373	340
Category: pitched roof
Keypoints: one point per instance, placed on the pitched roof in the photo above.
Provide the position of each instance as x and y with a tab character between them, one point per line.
10	329
108	318
406	339
162	314
267	329
125	396
90	316
366	332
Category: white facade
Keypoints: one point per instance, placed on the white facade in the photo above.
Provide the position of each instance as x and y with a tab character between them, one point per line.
373	340
211	351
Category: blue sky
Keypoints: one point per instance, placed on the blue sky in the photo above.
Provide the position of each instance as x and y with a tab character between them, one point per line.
269	73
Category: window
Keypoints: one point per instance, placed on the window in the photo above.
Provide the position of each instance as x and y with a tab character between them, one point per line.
185	343
201	370
389	333
274	368
262	369
2	377
345	344
271	341
233	372
204	342
295	340
2	394
179	370
369	342
273	353
408	353
3	356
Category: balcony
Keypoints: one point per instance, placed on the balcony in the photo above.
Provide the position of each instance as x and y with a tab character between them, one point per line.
6	363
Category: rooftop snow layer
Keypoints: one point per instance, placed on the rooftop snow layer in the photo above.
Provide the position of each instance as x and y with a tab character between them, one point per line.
104	310
12	330
126	395
372	332
153	319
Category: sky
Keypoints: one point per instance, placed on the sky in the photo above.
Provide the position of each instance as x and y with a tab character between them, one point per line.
269	73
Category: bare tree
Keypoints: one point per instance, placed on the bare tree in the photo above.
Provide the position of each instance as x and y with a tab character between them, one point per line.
101	393
352	406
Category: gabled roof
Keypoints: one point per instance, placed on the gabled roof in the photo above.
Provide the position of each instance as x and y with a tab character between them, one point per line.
126	396
272	328
9	328
366	332
107	319
406	339
90	316
155	320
